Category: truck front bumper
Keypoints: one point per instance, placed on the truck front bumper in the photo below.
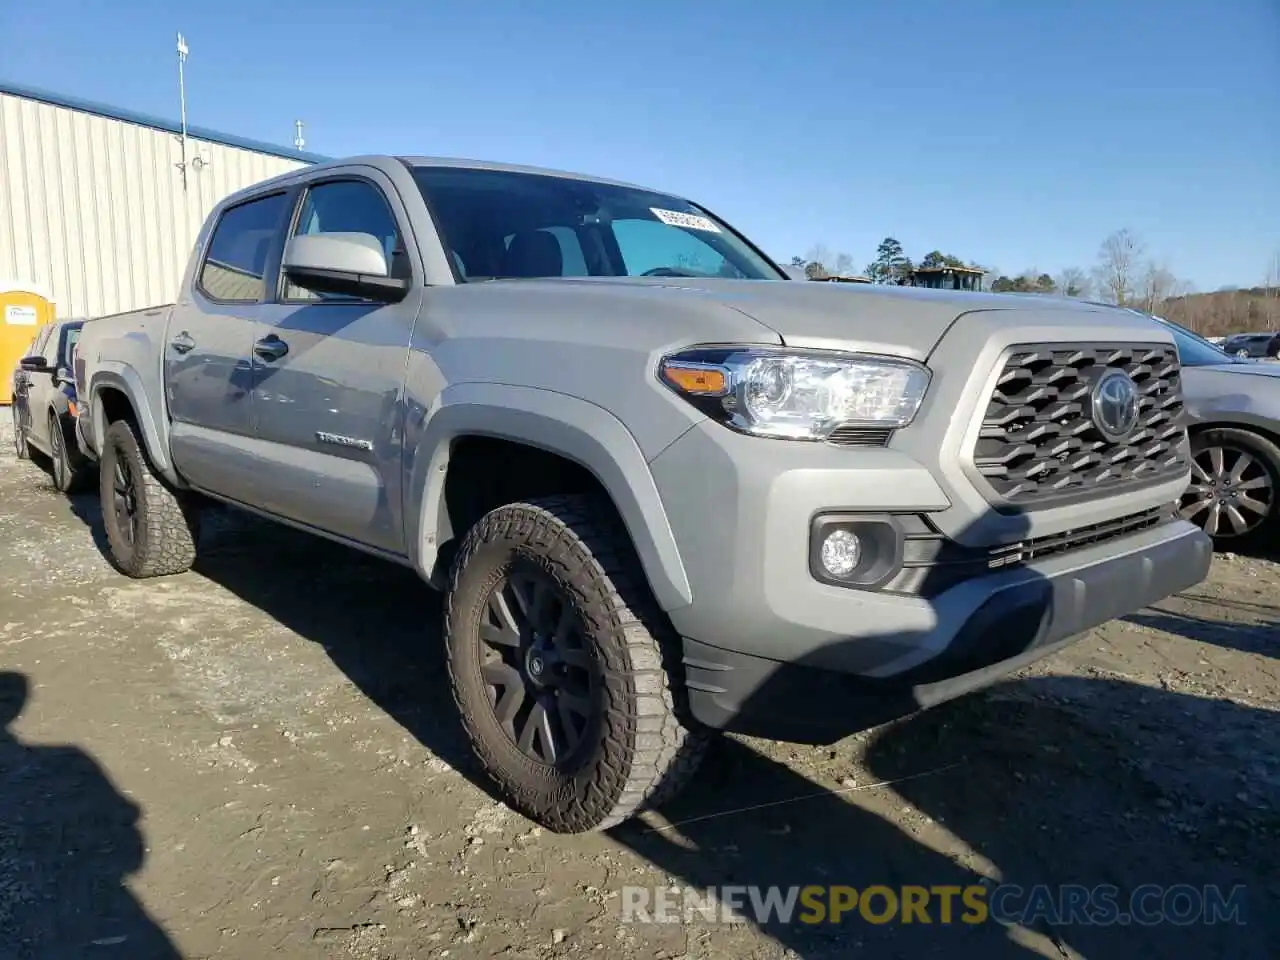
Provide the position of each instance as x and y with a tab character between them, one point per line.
1021	618
772	650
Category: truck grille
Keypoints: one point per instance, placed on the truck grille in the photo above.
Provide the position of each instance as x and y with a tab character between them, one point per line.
1039	442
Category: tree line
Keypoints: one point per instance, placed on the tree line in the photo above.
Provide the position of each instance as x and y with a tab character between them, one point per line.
1123	274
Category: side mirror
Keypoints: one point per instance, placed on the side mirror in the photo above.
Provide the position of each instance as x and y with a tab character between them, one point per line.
35	364
347	264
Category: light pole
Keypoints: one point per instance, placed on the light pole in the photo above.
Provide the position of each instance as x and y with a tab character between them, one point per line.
182	96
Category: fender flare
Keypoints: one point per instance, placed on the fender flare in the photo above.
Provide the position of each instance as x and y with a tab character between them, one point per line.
561	424
1211	418
127	380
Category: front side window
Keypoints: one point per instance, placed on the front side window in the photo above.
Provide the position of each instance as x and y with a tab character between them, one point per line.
235	267
348	206
653	246
38	344
500	224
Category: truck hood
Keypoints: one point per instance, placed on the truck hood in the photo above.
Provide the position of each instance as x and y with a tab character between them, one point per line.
904	321
1255	368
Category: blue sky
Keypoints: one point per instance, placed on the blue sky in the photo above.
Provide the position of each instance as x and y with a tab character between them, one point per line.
1018	134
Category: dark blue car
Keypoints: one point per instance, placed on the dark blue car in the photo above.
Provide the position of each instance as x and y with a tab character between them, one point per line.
44	403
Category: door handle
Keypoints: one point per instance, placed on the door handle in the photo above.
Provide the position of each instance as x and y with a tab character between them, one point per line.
271	348
182	342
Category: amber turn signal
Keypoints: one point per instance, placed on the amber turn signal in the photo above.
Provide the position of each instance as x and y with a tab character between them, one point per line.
695	378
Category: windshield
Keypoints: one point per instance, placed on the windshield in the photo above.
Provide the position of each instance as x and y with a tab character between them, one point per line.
1193	349
501	224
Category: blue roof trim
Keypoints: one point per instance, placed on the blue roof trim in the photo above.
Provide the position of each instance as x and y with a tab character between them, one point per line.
169	126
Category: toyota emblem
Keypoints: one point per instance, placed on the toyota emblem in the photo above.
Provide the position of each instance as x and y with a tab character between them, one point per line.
1115	405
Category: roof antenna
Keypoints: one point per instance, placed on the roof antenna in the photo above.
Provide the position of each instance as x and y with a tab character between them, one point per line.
298	141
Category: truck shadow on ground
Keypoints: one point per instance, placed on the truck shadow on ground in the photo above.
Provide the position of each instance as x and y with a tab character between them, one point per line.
1035	783
68	840
1054	781
1260	639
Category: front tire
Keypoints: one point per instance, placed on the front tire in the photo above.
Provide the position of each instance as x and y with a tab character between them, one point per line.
150	530
1235	480
560	685
68	467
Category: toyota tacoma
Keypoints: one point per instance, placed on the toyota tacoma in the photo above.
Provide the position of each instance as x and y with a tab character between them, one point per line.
666	489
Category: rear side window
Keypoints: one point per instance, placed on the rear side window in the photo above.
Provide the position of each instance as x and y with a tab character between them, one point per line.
235	268
348	206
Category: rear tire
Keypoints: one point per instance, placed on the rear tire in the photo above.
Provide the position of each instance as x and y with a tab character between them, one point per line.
607	742
22	450
1235	484
151	530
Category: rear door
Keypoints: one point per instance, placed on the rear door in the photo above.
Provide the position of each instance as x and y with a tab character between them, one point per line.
208	355
329	373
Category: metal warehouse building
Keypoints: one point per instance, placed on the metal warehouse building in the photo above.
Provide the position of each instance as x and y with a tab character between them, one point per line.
97	211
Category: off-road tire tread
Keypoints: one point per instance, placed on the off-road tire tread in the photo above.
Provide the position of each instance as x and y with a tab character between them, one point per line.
166	540
1263	447
648	754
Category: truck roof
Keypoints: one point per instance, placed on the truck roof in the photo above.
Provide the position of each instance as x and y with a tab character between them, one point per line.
424	161
420	161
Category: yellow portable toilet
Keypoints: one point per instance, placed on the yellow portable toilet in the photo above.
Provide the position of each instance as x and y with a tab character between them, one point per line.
24	309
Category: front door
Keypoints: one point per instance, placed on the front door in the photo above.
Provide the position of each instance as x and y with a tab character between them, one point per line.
328	378
208	375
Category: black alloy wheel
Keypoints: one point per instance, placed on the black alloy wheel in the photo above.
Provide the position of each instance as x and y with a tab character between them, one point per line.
539	674
124	502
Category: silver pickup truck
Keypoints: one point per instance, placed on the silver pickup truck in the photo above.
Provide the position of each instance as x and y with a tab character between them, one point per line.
666	489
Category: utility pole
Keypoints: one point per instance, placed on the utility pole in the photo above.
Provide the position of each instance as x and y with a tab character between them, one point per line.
182	96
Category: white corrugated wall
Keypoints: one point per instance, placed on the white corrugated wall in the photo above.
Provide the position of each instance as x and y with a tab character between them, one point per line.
93	210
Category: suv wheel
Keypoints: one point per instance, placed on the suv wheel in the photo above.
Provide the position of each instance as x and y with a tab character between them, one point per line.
560	685
151	531
68	470
21	449
1235	476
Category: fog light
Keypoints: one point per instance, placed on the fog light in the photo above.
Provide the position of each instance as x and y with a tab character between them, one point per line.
841	551
856	550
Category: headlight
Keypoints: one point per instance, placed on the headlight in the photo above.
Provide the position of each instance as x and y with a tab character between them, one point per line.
798	395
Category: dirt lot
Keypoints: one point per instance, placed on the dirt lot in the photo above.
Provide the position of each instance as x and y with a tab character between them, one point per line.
259	759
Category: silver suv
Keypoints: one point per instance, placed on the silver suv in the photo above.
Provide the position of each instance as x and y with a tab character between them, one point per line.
666	489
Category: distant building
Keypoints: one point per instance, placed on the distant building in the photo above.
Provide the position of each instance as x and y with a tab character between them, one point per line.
96	210
947	278
830	279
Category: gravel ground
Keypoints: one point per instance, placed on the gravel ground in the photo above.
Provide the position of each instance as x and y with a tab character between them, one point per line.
259	758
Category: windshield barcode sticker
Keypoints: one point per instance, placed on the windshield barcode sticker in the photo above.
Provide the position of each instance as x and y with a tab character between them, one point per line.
690	220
